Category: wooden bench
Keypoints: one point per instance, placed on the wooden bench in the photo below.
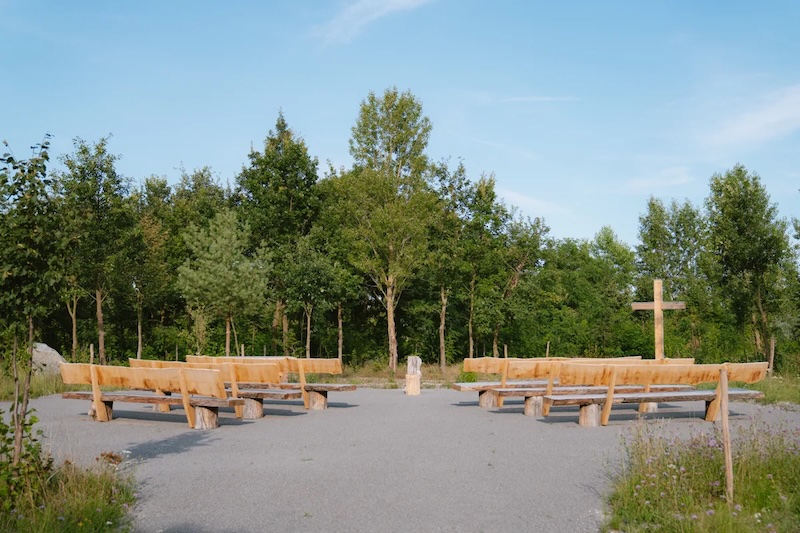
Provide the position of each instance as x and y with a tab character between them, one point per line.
514	374
315	395
649	376
549	369
201	392
253	383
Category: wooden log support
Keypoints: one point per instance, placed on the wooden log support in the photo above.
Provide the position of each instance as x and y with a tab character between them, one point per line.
317	400
105	413
253	408
206	417
589	415
487	399
533	406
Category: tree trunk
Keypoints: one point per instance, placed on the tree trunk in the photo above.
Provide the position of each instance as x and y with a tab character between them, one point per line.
276	320
341	331
495	339
235	336
309	310
101	329
442	318
227	335
21	409
73	315
139	326
763	313
285	320
471	315
390	304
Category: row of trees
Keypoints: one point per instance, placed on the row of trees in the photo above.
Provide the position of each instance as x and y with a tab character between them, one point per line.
398	255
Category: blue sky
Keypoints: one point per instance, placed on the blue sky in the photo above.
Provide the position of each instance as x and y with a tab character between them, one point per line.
582	110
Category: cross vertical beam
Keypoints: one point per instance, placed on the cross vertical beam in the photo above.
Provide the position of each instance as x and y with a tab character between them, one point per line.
658	305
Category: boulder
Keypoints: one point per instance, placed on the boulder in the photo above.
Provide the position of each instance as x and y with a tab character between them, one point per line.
46	359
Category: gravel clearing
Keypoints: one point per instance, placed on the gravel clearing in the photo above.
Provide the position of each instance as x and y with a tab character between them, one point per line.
376	460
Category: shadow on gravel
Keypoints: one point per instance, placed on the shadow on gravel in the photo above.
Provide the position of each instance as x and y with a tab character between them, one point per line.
171	445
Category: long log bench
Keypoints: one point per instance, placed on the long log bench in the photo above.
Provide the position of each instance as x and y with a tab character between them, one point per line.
253	383
315	395
649	376
550	369
200	392
534	397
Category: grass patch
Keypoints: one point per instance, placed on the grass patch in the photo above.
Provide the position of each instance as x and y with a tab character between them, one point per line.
665	483
41	385
779	389
74	499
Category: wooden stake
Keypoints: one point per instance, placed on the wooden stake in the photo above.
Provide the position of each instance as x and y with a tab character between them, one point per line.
505	351
242	350
547	352
91	354
726	435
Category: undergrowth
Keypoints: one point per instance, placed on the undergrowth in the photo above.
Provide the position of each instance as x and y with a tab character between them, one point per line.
667	483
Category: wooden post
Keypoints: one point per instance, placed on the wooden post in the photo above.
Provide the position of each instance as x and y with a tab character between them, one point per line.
726	435
242	352
91	354
547	351
505	351
658	306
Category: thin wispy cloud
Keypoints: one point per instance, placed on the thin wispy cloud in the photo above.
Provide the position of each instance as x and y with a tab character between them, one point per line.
534	99
665	179
355	16
772	117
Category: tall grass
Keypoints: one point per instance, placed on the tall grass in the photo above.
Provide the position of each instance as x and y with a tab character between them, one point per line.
74	499
41	385
779	389
666	483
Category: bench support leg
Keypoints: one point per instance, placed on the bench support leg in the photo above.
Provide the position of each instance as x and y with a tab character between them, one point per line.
648	407
533	406
206	417
713	412
163	407
253	408
104	413
317	400
487	399
589	415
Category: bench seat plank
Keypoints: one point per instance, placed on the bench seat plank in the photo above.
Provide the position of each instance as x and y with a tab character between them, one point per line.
206	407
641	397
590	414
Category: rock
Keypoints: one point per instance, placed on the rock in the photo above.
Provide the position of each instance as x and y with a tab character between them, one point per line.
46	359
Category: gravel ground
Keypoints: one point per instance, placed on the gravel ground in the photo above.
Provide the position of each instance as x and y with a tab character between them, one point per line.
376	460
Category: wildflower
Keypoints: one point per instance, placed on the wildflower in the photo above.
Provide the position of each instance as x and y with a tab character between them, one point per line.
710	512
738	507
647	502
694	517
60	518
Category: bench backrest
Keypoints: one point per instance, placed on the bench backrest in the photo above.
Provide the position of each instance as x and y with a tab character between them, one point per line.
658	374
76	373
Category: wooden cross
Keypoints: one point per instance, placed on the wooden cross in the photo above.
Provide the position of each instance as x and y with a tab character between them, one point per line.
658	306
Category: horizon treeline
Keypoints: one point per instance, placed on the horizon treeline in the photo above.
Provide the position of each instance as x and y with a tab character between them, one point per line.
399	255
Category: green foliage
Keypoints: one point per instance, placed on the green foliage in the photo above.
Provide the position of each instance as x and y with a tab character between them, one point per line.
220	277
72	498
23	476
673	484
